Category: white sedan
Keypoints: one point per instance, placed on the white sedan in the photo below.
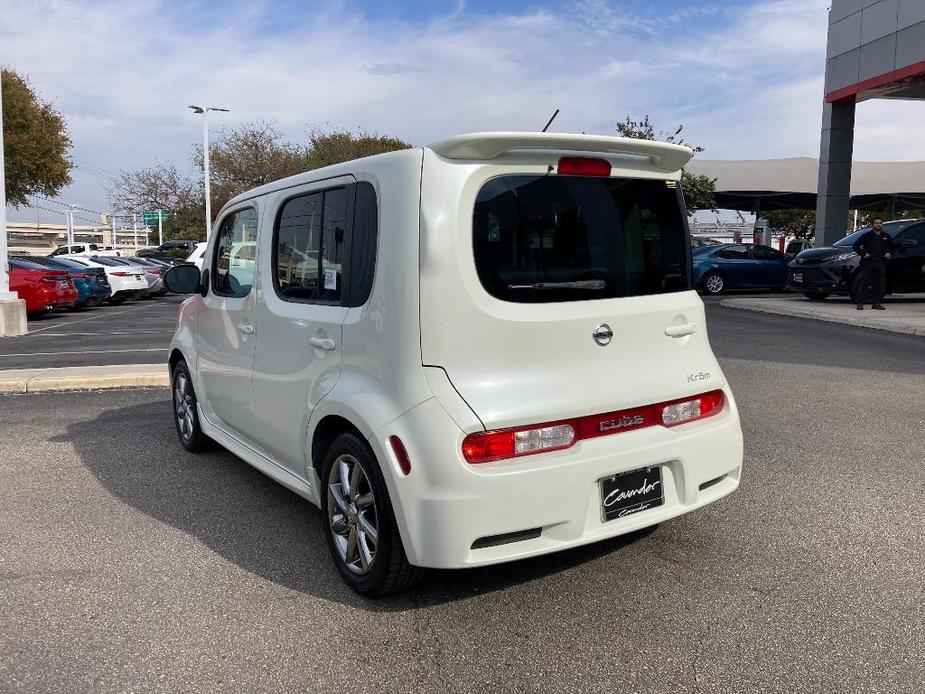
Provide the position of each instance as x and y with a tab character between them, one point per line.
126	281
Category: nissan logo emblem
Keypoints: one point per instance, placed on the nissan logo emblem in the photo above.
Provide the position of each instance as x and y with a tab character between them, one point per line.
602	335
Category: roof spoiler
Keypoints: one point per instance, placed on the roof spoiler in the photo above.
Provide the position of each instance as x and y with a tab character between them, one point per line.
663	155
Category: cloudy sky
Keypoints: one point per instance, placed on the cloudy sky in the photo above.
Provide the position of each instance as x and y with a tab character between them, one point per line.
744	76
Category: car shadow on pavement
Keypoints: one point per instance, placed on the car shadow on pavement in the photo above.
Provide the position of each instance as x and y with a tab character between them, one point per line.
259	525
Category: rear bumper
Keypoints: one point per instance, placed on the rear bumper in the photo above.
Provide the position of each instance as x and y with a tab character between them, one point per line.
547	502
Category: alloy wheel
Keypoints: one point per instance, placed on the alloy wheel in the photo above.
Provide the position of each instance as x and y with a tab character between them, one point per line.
183	404
352	514
714	284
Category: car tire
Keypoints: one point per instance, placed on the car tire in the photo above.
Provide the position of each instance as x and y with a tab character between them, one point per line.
815	296
186	413
362	514
116	301
713	283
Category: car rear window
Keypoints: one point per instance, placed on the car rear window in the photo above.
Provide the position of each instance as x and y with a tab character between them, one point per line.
111	262
572	238
20	264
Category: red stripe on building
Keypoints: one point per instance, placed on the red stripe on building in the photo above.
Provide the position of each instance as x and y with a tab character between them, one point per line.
914	70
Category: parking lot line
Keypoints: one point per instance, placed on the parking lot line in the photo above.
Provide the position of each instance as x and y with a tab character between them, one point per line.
84	320
105	332
84	351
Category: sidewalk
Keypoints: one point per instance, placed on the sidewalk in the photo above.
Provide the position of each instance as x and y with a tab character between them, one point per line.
904	314
84	378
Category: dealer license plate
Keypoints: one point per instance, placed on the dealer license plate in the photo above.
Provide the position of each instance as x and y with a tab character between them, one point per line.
797	276
630	492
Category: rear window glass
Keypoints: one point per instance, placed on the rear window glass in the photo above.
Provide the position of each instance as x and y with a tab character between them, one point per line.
573	238
24	264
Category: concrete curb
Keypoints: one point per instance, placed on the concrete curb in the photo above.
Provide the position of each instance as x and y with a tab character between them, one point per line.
862	319
84	378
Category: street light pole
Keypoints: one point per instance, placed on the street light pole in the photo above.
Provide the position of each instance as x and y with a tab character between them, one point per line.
205	169
4	269
204	111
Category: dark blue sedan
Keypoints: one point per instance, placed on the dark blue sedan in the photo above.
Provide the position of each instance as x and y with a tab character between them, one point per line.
738	266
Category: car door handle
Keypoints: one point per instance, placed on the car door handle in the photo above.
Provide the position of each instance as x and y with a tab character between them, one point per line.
681	330
325	343
245	329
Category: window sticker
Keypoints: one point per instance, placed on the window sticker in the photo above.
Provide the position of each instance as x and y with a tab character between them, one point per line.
330	278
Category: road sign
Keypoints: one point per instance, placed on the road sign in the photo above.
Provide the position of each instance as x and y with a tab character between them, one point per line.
149	219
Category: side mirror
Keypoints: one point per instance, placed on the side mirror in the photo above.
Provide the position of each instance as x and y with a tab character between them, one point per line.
183	279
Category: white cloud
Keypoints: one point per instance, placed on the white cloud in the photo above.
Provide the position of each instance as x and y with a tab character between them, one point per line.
747	82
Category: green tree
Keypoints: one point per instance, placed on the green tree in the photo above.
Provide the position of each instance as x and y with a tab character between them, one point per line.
248	156
698	189
163	187
335	146
800	223
240	158
36	143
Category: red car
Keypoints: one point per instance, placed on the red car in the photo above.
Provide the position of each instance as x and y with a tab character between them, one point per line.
41	288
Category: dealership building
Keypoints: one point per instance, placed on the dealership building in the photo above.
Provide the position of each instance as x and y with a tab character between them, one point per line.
876	50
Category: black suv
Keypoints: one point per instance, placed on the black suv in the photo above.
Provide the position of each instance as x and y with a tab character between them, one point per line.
818	272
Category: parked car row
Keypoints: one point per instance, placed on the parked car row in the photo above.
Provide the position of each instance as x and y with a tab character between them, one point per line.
814	272
73	281
820	272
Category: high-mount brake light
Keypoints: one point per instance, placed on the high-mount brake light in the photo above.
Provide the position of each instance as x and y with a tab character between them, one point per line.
489	446
583	166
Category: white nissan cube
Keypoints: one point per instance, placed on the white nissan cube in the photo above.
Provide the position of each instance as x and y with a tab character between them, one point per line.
473	352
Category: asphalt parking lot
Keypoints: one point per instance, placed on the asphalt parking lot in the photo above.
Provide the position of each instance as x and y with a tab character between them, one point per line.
127	564
137	332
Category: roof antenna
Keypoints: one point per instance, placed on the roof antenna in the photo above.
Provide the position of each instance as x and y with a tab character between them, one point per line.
551	120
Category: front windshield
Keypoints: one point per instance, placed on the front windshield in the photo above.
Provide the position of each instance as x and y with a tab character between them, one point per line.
891	229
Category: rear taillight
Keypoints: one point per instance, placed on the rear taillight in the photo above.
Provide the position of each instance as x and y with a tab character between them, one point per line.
488	446
510	443
583	166
122	274
80	276
154	271
683	411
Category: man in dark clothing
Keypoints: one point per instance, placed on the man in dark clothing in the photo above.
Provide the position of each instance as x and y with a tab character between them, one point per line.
875	249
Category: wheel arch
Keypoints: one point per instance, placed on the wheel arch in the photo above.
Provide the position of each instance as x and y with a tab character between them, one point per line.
328	428
176	356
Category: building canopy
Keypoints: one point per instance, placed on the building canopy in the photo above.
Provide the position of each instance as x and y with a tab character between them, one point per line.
775	184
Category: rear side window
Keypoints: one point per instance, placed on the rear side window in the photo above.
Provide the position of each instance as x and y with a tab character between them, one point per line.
766	253
325	246
233	268
573	238
733	253
364	239
311	247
